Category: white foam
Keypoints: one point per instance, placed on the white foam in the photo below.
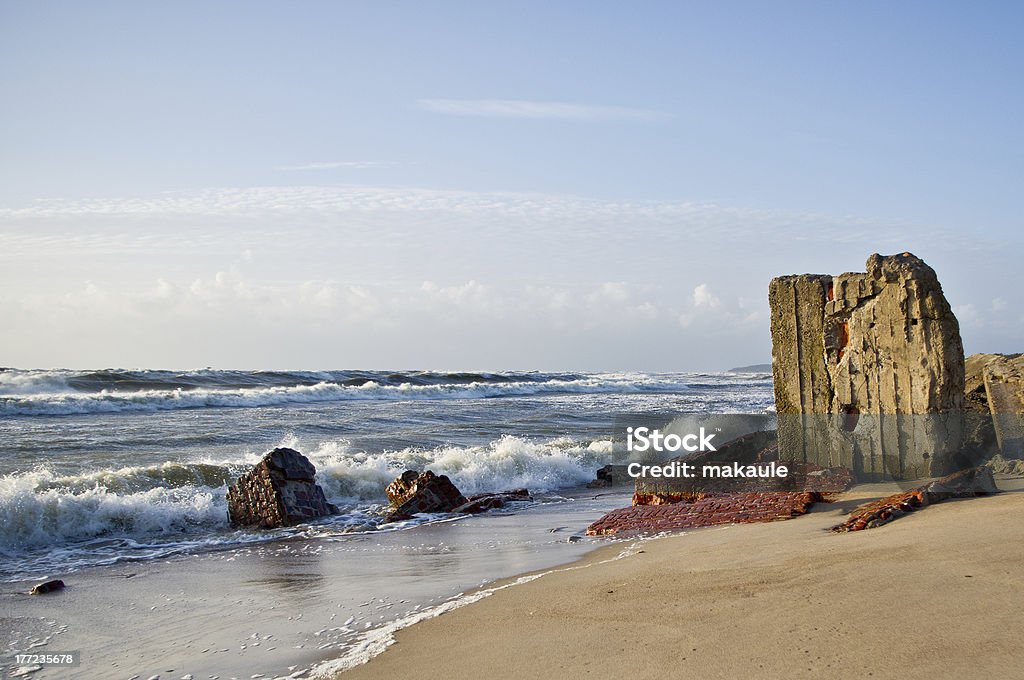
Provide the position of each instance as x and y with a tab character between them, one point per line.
506	463
39	400
13	382
35	513
377	640
178	505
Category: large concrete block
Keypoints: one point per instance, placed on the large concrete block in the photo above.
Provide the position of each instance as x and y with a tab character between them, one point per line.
1004	387
868	369
802	381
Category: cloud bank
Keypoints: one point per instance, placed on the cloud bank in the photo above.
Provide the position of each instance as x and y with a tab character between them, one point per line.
356	276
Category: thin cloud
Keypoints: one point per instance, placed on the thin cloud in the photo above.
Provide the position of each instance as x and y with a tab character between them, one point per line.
446	223
516	108
515	212
333	165
543	279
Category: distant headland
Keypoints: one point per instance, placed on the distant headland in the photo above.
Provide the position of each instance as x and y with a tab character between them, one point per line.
753	368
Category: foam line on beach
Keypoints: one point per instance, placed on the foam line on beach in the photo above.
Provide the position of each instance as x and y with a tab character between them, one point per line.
377	640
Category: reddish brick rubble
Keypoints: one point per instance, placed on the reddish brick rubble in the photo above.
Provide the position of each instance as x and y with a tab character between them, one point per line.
962	484
883	511
710	510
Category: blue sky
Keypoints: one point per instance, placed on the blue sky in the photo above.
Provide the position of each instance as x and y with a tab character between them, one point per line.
490	185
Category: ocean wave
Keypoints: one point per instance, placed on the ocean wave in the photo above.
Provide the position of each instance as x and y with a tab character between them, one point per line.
36	510
143	512
506	463
149	400
26	382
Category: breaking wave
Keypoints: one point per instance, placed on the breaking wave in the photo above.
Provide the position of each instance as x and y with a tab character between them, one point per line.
136	513
17	381
27	393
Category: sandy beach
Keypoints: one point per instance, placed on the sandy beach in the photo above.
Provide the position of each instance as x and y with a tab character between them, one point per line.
935	594
492	340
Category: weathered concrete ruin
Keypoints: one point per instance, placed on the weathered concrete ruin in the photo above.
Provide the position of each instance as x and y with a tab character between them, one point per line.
1003	377
279	491
870	384
868	370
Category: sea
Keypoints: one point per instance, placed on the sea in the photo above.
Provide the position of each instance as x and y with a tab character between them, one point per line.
107	470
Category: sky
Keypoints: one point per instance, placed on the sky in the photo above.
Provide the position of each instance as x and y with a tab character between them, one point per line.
465	185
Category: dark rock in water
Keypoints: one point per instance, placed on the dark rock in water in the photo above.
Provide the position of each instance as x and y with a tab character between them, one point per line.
280	491
415	492
611	475
511	495
403	488
481	505
48	587
396	516
492	501
523	494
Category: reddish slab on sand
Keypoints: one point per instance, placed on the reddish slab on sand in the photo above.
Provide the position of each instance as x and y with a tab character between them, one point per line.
963	484
738	508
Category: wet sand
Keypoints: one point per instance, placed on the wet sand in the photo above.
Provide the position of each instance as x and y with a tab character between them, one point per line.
279	608
937	593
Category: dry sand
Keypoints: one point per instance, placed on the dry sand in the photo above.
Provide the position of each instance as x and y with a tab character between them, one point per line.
939	593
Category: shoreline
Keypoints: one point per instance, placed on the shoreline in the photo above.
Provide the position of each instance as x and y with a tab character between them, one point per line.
383	638
282	608
756	600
